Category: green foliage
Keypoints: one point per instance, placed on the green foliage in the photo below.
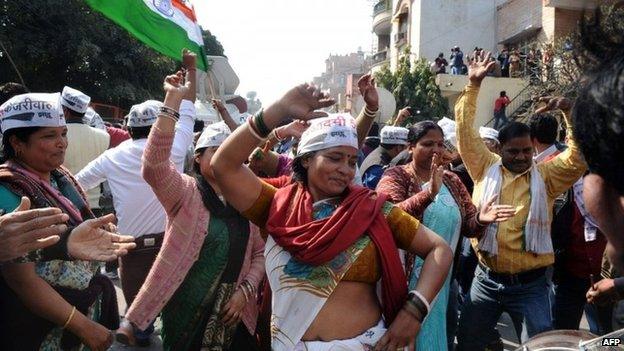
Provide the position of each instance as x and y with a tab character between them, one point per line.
56	43
413	84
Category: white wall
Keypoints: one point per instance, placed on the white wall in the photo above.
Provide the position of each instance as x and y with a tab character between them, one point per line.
438	25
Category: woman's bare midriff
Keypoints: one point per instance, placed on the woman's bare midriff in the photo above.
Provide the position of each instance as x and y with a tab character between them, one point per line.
350	310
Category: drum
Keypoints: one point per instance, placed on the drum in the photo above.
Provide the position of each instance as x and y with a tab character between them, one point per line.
561	340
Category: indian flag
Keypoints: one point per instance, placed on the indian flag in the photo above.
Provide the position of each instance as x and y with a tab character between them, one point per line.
165	25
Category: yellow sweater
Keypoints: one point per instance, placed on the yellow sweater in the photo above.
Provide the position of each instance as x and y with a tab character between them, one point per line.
558	174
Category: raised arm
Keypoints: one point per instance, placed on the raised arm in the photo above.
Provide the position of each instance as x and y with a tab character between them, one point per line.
239	185
225	115
472	149
364	121
565	169
157	169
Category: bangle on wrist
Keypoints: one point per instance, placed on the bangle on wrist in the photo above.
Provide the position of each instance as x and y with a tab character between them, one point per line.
250	126
411	308
71	316
277	134
417	298
261	127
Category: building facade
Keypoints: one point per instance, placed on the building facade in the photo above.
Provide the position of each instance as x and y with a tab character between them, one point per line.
336	78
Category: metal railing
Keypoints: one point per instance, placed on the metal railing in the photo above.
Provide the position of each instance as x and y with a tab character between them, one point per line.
516	104
382	6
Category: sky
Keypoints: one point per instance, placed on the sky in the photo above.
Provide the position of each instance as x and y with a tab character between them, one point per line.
274	45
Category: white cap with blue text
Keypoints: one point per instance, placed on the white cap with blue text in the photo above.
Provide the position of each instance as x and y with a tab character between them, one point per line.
31	110
337	129
214	135
144	114
75	100
393	135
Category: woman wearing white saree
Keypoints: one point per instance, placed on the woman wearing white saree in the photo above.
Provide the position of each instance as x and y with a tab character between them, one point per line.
330	243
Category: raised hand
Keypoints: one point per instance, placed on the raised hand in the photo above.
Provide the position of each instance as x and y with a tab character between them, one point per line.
175	87
218	105
25	230
366	86
490	212
553	103
301	101
480	65
403	114
437	173
89	242
293	129
189	59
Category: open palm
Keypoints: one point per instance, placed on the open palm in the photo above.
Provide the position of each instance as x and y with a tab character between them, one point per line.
480	65
89	242
300	102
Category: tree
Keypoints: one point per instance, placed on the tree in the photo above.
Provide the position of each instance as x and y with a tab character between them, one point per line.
413	84
212	46
56	43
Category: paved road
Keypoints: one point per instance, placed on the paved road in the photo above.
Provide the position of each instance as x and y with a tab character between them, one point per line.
505	327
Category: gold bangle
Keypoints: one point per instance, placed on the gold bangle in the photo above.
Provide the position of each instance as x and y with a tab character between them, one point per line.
71	315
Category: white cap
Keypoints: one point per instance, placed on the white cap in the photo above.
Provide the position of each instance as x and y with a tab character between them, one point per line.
213	135
31	110
393	135
144	114
449	128
75	100
93	119
488	133
337	129
234	113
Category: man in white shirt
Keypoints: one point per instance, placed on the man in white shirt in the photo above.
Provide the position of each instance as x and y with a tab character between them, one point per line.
139	212
85	143
544	130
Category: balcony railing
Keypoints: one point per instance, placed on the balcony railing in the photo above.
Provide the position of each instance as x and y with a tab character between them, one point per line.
382	6
380	56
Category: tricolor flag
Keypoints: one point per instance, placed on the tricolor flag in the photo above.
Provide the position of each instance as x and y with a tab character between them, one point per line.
166	25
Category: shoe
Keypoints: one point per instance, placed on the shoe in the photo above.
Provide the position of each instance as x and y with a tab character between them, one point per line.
125	334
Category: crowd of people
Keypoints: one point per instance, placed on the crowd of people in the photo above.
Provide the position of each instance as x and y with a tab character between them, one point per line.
301	230
508	63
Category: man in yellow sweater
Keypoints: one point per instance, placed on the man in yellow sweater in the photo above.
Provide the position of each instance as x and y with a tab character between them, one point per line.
513	255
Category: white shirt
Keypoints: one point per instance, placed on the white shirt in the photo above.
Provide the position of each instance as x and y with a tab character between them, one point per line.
85	144
544	154
138	210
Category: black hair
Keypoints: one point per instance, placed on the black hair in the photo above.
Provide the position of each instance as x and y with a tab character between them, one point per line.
503	93
71	114
300	173
198	153
598	114
388	146
198	126
22	134
420	129
10	90
513	130
544	128
137	133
